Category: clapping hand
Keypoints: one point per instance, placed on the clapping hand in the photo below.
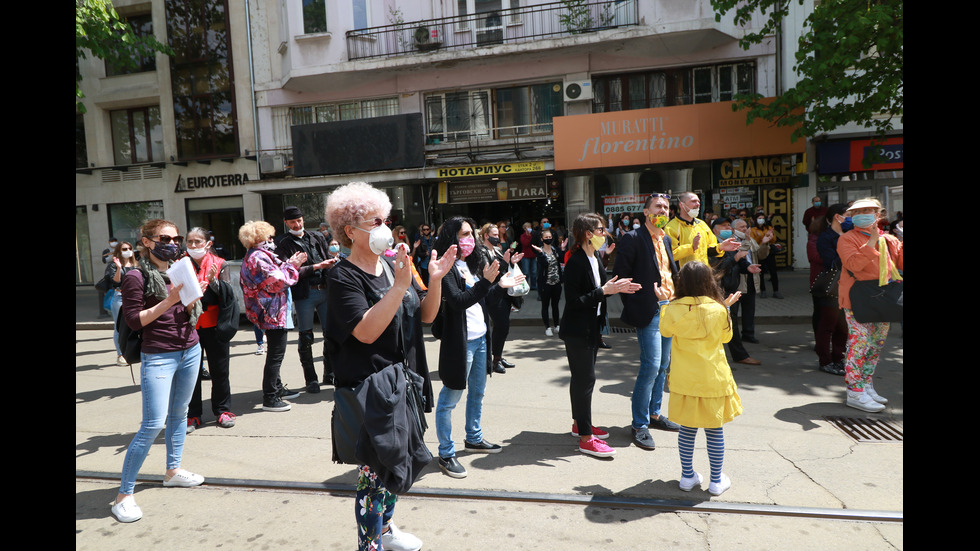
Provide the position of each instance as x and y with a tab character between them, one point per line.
491	270
439	267
662	294
732	298
730	244
298	259
617	285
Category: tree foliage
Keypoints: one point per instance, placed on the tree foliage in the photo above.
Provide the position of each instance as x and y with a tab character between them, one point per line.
101	32
849	64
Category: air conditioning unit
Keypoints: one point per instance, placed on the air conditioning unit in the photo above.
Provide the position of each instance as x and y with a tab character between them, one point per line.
272	164
577	89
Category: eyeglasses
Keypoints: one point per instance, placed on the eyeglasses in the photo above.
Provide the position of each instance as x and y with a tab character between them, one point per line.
424	229
166	239
375	222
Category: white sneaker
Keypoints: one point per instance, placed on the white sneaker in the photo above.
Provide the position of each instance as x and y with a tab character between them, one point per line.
716	489
121	361
549	332
863	401
127	510
557	327
396	540
688	484
870	390
184	479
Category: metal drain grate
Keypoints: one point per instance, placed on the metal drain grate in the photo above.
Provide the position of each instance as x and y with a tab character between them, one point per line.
615	329
868	430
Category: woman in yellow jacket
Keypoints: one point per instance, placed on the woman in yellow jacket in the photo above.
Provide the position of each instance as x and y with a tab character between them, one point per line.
702	390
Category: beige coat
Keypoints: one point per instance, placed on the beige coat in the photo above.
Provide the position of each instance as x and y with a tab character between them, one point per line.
757	253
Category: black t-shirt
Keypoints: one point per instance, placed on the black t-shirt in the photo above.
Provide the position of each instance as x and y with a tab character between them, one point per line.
350	293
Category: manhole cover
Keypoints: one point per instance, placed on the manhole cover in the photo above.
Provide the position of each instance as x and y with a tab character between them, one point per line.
868	430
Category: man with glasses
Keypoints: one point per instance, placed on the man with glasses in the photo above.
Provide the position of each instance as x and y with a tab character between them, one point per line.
310	292
422	250
645	255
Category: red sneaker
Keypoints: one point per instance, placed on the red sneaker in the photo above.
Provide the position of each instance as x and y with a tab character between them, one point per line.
596	447
596	431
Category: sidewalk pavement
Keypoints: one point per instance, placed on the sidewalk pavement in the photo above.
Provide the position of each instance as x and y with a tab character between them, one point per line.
798	481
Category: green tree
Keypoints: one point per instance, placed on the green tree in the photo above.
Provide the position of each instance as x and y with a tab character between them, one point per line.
849	64
101	32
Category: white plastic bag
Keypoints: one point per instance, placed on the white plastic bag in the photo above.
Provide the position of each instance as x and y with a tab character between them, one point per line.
521	289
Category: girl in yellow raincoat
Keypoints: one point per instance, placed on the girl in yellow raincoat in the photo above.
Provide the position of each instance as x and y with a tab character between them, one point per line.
702	390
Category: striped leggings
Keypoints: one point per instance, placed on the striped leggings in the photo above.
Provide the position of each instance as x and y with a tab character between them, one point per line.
716	450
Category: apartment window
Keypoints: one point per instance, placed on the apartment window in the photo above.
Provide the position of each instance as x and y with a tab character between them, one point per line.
362	14
201	78
142	27
528	110
137	135
672	87
332	112
314	16
490	25
457	115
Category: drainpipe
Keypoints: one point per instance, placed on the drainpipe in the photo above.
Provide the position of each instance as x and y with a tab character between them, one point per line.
251	86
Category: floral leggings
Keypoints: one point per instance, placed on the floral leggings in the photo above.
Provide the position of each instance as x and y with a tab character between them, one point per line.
864	344
373	510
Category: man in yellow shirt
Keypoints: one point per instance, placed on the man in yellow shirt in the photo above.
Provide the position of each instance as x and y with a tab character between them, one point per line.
692	239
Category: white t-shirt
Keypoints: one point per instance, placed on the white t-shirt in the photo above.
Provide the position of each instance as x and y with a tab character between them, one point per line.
594	263
475	326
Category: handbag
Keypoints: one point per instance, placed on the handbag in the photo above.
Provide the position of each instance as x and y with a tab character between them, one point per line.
518	290
345	423
103	284
873	303
826	284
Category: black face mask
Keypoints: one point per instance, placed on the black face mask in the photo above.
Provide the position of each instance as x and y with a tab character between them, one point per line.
547	241
494	241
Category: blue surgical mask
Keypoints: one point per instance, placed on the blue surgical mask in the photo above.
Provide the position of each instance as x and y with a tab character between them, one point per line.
817	203
545	226
863	220
724	234
847	224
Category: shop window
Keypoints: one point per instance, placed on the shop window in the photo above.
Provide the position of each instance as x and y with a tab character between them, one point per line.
201	79
142	27
222	216
137	135
332	112
457	116
314	16
527	110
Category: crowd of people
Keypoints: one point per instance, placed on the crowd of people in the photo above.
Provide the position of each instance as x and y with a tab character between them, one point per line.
684	282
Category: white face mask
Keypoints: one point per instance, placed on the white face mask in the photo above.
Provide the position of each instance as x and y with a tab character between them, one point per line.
379	239
113	244
197	254
738	234
636	226
297	233
127	254
693	213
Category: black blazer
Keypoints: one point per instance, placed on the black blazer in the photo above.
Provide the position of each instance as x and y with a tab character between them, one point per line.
636	258
542	261
456	298
582	296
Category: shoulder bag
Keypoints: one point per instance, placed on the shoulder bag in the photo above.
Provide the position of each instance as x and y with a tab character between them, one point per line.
826	283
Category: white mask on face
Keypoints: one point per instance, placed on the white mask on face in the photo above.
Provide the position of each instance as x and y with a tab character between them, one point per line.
636	226
379	239
127	254
693	213
113	244
197	254
297	233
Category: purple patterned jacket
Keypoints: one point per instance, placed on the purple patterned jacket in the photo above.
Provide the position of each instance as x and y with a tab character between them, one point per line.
264	280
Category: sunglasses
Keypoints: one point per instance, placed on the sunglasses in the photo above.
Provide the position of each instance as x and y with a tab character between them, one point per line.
664	195
166	239
375	222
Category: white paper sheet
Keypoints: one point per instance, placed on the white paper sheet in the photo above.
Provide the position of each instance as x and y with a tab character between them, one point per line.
182	272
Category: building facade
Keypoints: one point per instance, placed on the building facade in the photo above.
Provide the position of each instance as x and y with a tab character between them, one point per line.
494	109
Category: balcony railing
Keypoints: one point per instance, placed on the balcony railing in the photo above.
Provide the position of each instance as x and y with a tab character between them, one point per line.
506	26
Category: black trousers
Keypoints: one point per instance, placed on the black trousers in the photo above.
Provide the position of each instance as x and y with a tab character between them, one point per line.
581	364
550	295
276	341
500	318
735	345
217	354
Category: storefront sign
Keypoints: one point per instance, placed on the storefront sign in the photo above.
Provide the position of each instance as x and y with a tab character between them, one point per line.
491	170
755	171
192	183
736	197
615	204
665	135
484	192
839	157
776	203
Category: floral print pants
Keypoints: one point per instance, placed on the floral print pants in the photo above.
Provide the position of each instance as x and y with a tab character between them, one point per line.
373	510
864	344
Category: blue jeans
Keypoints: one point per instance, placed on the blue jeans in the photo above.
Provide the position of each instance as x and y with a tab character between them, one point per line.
529	266
476	385
167	380
316	301
116	306
648	392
